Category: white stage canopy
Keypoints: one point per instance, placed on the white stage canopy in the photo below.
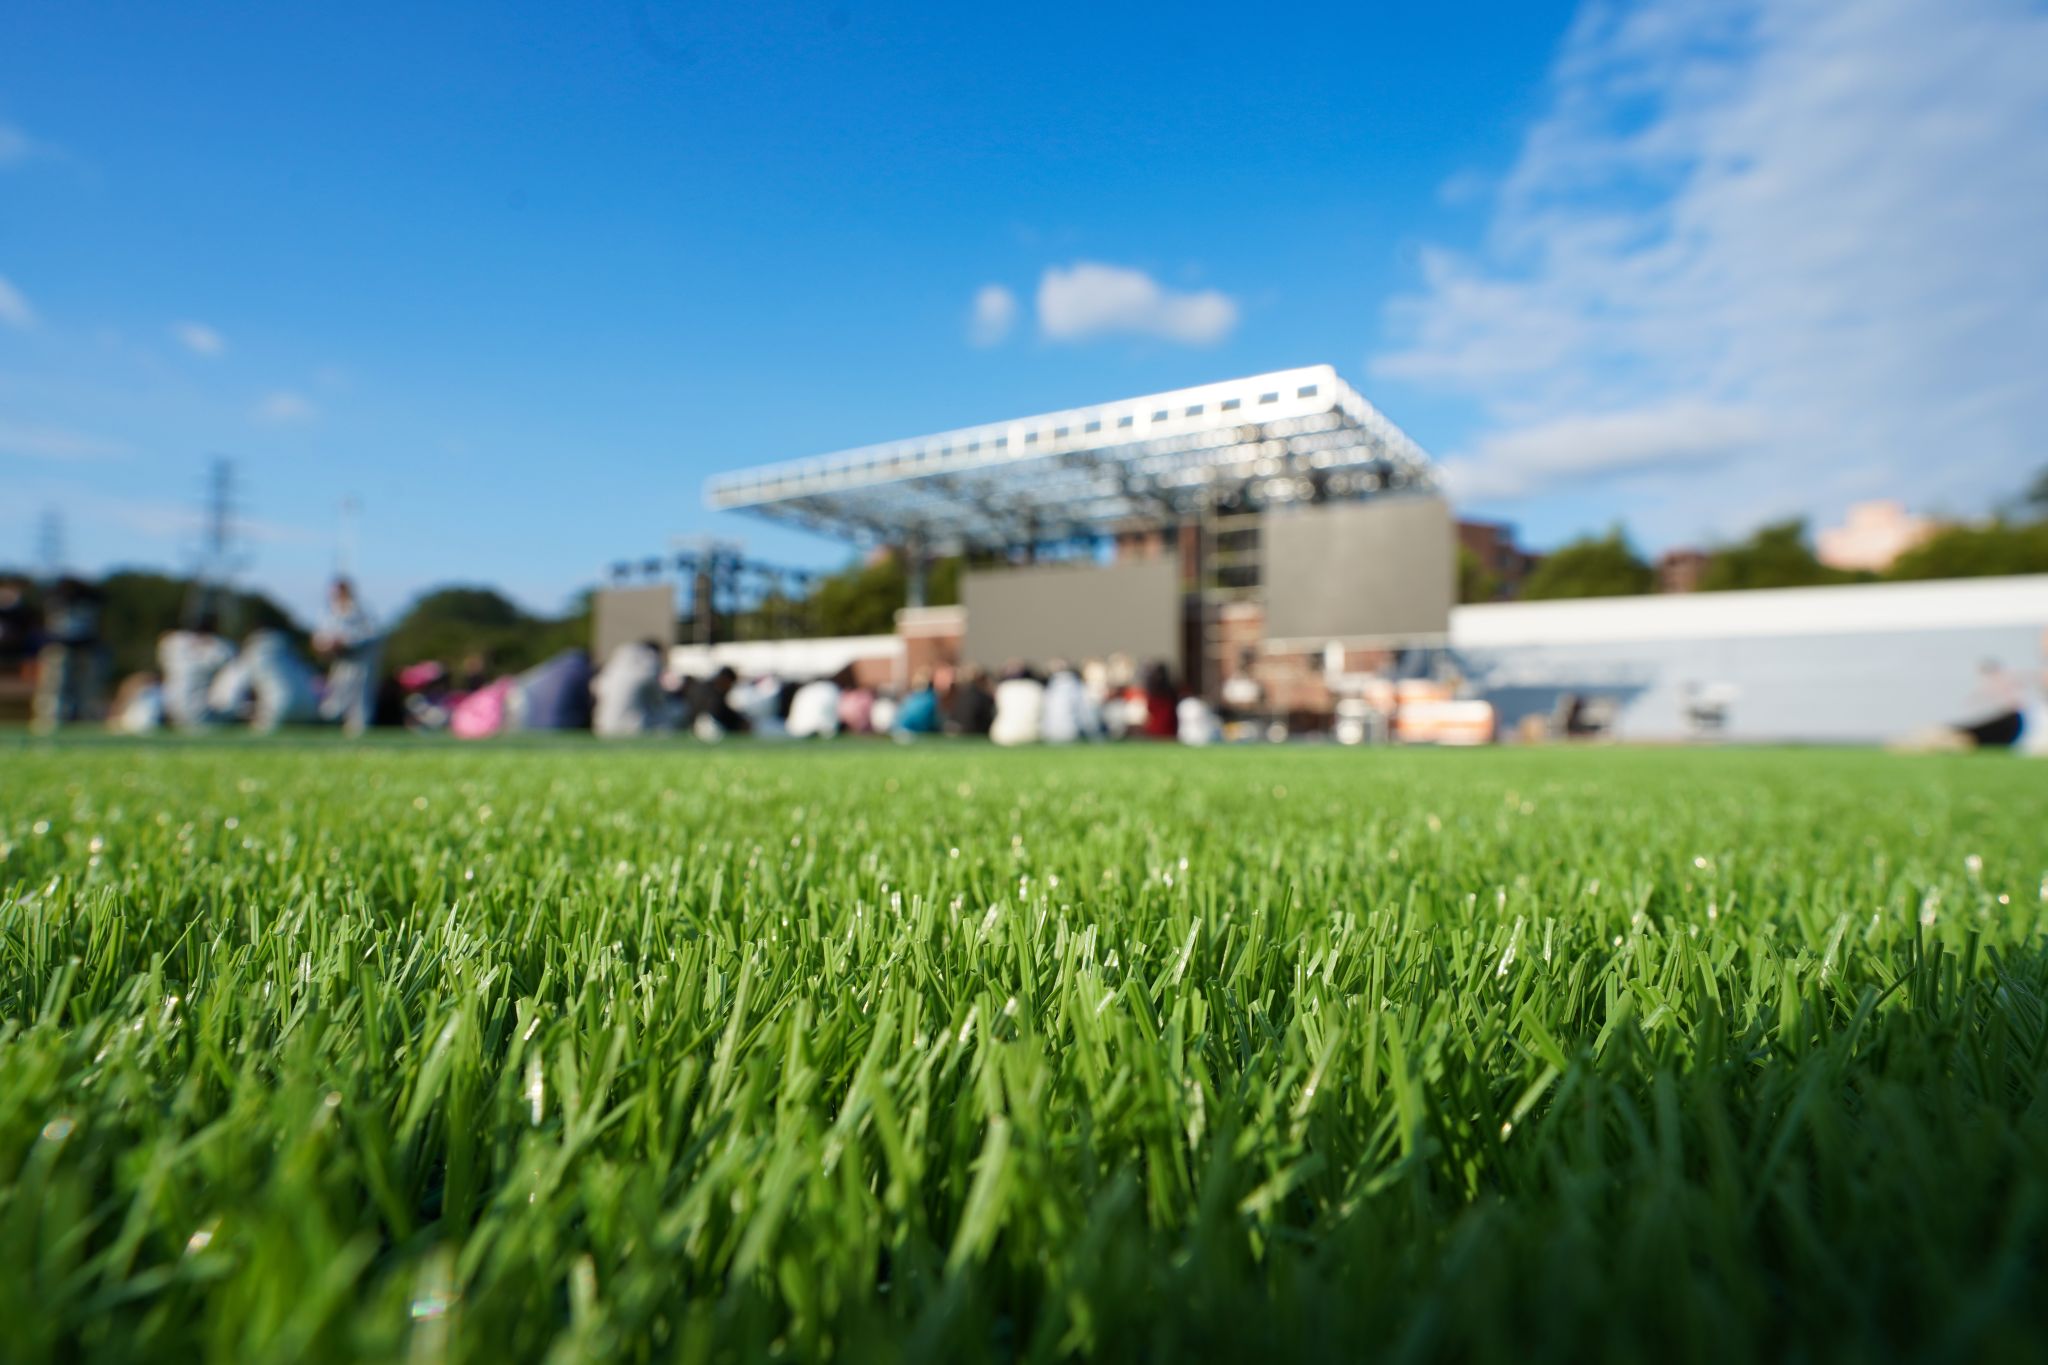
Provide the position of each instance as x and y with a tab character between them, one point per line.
1300	435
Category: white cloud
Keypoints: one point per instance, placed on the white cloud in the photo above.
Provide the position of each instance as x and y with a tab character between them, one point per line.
14	309
15	145
34	442
182	522
1680	435
200	339
995	312
1088	299
1821	215
285	407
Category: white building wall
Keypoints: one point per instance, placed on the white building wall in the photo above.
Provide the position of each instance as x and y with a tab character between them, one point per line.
792	659
1859	663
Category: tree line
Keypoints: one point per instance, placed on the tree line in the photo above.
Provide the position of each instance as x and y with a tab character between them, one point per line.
1780	555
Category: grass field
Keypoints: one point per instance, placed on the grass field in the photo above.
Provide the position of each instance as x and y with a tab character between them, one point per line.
492	1054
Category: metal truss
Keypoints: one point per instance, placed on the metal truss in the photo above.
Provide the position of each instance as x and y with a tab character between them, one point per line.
1300	435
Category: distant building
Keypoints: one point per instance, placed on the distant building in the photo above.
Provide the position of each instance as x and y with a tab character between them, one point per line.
1871	536
1492	543
1681	570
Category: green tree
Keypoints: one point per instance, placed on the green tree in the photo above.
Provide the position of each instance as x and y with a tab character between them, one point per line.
1999	547
2036	496
1475	582
864	599
1591	566
139	606
451	623
1775	556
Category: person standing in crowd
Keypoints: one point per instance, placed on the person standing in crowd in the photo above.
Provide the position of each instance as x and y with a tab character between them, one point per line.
189	659
349	642
1196	723
1244	700
1162	703
138	705
280	683
20	626
814	707
1020	708
2003	699
919	714
712	714
759	702
1070	712
973	706
626	693
475	675
68	668
858	706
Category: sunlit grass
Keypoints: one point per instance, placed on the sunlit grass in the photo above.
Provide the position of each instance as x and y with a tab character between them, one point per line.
482	1054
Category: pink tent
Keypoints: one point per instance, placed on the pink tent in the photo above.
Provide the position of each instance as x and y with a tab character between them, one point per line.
481	714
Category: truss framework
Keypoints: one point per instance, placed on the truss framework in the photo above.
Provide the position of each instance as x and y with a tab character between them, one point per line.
1300	435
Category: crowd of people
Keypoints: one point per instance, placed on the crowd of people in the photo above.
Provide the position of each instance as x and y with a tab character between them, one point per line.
634	694
205	681
202	679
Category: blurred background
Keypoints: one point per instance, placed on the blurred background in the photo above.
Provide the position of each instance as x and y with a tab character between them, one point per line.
1673	297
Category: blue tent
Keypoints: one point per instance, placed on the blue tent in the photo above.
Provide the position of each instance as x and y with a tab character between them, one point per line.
553	695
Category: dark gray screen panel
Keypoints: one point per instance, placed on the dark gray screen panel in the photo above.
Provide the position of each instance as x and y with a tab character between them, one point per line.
623	615
1073	612
1347	570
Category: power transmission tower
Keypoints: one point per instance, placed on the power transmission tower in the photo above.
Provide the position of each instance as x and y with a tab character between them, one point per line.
50	544
219	559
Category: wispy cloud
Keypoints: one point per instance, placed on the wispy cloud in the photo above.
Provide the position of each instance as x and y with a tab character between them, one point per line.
14	307
1526	459
200	339
38	442
16	146
284	408
181	523
994	313
1797	240
1088	300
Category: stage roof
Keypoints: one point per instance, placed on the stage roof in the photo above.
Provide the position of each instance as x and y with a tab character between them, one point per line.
1290	436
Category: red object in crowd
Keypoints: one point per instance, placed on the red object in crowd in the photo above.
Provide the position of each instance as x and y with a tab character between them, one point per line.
1160	720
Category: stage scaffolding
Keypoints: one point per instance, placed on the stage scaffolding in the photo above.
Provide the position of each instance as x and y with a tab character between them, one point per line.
1089	473
1196	474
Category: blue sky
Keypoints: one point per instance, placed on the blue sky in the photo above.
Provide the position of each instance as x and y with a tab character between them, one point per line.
519	276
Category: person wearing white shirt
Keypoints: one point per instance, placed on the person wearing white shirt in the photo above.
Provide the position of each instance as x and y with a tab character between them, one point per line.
814	710
1070	712
1020	710
349	639
627	693
189	660
1196	722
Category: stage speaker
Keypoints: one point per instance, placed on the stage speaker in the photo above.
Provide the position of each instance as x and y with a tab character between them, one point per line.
622	615
1073	612
1383	570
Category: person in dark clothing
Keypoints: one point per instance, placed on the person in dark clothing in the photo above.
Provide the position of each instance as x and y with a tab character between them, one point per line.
21	626
709	701
1162	700
475	675
2003	698
69	669
972	708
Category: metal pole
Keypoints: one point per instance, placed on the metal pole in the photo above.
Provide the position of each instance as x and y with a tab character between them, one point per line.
914	557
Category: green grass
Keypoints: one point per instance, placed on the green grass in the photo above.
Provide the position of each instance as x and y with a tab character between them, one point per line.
492	1054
